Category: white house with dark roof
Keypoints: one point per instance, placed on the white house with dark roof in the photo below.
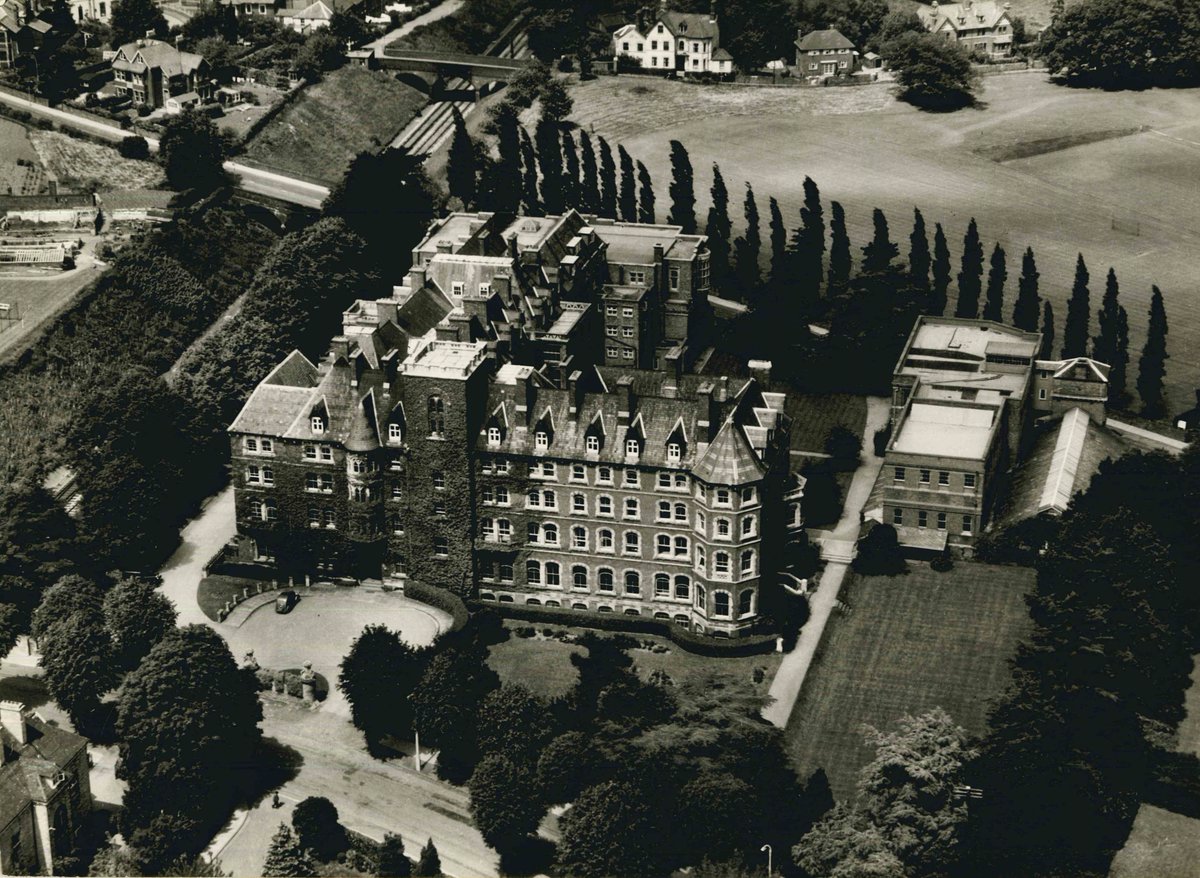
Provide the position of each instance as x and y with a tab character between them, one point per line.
156	74
979	26
682	42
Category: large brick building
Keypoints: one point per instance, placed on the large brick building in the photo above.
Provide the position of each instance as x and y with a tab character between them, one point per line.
469	432
965	394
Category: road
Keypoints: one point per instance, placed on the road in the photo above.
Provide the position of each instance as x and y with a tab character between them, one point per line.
447	7
838	550
251	179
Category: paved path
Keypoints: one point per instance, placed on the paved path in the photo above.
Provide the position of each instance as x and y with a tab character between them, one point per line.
789	679
201	538
1158	440
447	7
251	179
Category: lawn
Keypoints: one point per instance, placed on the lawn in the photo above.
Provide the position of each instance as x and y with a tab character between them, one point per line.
86	165
544	664
866	150
908	644
317	135
215	590
814	415
39	298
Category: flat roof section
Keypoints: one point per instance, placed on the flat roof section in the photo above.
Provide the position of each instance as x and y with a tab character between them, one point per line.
945	431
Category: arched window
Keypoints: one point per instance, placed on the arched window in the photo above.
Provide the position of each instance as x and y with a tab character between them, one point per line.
748	526
633	542
487	527
701	561
270	510
662	585
720	603
533	572
747	561
553	574
579	538
746	602
549	499
504	529
662	544
604	505
579	576
701	599
579	503
633	582
683	587
550	534
631	507
535	532
723	496
680	512
605	577
533	498
664	509
721	563
722	528
604	540
437	417
682	546
256	508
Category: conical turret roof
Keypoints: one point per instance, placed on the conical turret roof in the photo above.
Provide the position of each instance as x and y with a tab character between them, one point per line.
364	436
730	459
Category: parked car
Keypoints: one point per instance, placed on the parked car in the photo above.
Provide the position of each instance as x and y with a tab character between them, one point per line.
285	600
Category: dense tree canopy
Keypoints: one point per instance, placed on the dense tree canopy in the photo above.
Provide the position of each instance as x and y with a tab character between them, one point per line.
933	73
192	152
134	19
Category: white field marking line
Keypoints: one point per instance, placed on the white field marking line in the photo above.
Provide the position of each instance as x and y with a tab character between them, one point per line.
1173	137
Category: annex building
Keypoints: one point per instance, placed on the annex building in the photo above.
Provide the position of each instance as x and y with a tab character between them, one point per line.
965	396
517	422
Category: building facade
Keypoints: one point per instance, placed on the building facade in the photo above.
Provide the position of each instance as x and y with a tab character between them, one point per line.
825	53
45	792
980	26
155	74
680	42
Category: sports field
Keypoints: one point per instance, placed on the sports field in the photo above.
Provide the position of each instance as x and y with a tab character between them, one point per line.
37	298
1130	201
908	644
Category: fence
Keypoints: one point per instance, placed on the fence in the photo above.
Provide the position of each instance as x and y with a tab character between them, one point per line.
17	93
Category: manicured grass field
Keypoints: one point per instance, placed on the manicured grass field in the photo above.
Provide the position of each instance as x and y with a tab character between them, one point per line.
544	665
866	150
813	416
317	135
39	297
909	644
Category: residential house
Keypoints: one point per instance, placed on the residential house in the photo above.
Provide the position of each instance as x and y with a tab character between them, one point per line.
23	30
153	72
45	792
91	10
302	16
681	42
981	27
825	53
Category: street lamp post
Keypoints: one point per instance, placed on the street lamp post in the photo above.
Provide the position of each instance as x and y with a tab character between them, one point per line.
766	848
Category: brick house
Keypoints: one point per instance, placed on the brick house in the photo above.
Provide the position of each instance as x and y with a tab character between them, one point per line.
682	42
825	53
45	792
153	73
23	30
979	26
965	394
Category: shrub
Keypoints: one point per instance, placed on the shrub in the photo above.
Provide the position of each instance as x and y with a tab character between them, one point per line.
879	553
316	823
882	437
143	111
134	147
440	598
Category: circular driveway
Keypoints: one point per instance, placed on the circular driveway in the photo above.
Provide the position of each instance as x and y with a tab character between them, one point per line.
323	625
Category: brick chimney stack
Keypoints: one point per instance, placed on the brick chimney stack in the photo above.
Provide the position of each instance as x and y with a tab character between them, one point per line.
12	719
625	400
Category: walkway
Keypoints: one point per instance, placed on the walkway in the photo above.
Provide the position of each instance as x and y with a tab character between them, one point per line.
837	550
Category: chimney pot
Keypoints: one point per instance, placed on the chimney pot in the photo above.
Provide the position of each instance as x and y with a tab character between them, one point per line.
761	370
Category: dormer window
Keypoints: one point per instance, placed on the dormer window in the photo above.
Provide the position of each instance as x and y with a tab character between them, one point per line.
456	289
592	443
632	447
318	424
394	433
541	440
485	289
493	436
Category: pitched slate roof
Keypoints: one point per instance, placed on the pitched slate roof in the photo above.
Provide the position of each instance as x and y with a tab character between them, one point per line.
364	432
823	41
143	54
978	14
691	25
317	11
423	310
729	460
28	768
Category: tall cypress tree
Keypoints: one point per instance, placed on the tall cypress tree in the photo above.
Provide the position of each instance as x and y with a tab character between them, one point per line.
1079	314
749	246
719	229
1047	350
1025	311
608	180
808	245
839	249
1104	343
572	185
646	213
589	186
879	254
918	252
627	200
1152	368
778	244
1118	375
941	272
549	150
683	190
993	307
461	170
530	202
506	181
970	277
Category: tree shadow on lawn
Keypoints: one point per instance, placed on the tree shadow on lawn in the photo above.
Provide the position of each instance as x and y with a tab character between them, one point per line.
274	764
29	691
532	855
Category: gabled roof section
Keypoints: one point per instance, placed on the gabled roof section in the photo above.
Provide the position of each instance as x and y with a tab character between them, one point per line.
823	41
363	435
1063	368
423	310
691	25
729	459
